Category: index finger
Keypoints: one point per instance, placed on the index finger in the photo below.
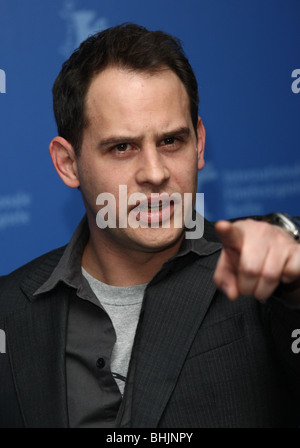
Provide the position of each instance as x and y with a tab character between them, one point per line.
230	235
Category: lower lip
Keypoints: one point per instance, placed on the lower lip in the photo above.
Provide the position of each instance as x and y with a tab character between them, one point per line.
154	218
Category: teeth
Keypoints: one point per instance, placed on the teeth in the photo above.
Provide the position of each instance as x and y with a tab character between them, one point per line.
152	208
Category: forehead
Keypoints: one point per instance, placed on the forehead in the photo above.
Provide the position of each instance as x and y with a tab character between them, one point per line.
125	96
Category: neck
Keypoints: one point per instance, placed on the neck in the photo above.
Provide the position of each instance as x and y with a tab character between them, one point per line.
123	266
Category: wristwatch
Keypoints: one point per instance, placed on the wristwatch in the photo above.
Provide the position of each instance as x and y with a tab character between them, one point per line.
287	222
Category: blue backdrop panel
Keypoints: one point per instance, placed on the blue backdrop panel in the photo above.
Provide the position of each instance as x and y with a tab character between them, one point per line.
246	58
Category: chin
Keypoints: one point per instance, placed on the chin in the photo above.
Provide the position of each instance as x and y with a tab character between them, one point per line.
157	240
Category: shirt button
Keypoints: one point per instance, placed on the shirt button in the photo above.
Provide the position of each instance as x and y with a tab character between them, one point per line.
100	363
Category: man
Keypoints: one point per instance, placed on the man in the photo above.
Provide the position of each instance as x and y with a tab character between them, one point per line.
125	327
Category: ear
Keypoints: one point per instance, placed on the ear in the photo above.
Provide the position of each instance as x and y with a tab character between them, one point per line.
64	161
201	133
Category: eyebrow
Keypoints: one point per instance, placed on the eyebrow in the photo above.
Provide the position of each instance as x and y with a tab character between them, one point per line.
182	131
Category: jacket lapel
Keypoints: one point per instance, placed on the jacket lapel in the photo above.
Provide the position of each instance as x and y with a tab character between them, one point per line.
170	321
37	356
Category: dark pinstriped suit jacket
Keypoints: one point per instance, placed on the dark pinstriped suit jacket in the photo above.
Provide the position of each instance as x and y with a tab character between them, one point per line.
200	360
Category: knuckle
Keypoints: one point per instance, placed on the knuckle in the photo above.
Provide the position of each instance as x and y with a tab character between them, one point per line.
284	238
270	275
248	269
291	270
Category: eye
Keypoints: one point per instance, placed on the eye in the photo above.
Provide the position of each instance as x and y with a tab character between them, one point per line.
170	141
122	147
122	150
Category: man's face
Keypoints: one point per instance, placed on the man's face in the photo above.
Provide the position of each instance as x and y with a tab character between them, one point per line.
139	134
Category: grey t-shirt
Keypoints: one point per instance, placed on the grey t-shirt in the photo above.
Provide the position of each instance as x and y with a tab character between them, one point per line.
123	305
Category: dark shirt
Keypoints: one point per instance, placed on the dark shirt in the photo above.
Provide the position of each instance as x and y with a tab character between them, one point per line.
93	397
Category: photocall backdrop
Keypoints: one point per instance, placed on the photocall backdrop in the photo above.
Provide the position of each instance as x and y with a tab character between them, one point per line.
246	59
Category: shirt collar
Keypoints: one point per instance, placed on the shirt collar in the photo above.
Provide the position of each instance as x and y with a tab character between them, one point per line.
68	269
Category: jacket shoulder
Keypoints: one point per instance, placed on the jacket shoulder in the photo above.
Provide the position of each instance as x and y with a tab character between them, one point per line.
11	284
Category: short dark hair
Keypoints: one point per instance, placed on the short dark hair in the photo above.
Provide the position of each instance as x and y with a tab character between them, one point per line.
128	45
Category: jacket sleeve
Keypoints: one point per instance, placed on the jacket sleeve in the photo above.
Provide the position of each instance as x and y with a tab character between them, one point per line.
283	323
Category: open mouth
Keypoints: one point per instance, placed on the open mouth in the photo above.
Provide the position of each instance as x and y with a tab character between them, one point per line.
151	207
156	210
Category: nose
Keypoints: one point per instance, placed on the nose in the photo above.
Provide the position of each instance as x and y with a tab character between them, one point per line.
152	169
